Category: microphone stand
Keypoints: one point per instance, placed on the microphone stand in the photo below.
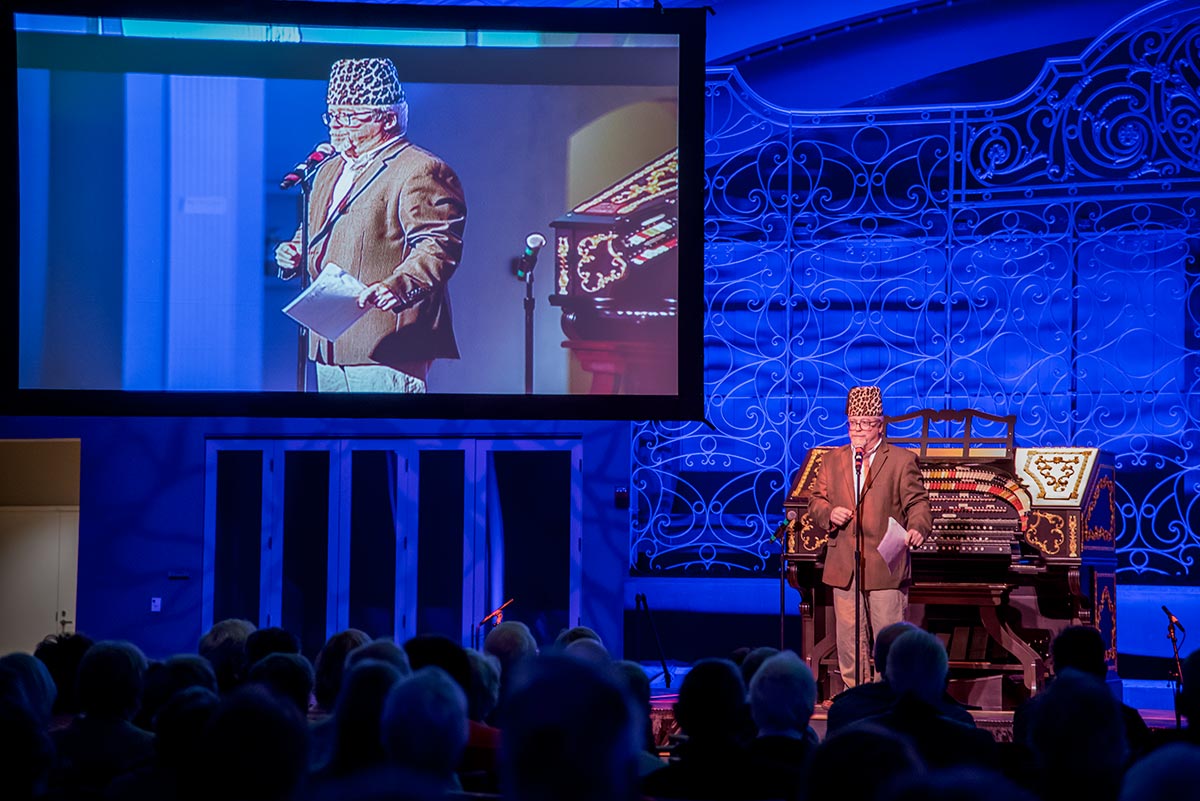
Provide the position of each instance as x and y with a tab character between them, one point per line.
302	331
529	303
1178	671
497	614
642	605
858	570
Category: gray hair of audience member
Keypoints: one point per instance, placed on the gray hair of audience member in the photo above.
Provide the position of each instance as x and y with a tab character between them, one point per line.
572	734
381	650
357	718
589	651
485	684
511	642
782	695
424	726
291	676
883	643
1076	721
35	682
331	664
110	682
754	660
917	664
1170	773
568	636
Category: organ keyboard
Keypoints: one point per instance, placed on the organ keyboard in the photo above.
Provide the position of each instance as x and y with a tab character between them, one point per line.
1022	546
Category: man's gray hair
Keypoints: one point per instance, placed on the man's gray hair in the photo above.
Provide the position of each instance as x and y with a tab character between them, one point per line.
782	694
917	664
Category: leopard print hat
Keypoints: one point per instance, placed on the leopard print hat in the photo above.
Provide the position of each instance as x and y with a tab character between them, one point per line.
864	402
364	82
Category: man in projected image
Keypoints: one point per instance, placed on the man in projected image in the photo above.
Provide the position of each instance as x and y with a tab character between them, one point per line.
888	481
392	215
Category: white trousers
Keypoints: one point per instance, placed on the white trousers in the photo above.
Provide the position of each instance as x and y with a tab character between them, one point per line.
881	608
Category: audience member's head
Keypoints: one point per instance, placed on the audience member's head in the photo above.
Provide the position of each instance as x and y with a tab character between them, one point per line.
859	763
485	685
434	650
35	682
273	640
256	747
26	753
61	654
165	679
110	680
331	663
179	729
1171	773
1078	722
782	694
1080	648
381	650
568	636
511	642
712	702
224	646
883	643
424	727
961	784
357	730
589	651
1189	697
917	665
632	678
754	660
289	675
571	734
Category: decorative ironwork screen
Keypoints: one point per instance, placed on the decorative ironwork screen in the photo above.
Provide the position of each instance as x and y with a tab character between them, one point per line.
1035	257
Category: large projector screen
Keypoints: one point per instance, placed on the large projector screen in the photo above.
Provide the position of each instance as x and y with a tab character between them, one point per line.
503	211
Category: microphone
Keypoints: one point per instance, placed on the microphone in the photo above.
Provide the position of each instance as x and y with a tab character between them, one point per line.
525	263
497	613
858	460
320	153
1174	620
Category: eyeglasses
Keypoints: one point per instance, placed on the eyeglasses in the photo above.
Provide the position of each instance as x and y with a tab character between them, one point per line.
863	425
349	119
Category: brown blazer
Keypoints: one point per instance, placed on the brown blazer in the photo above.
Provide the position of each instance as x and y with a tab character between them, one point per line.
894	489
402	224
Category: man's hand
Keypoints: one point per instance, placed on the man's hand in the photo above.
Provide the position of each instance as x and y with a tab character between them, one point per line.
914	538
287	256
840	515
379	296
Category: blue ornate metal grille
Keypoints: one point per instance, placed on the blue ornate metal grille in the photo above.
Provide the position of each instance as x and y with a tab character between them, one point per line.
1036	257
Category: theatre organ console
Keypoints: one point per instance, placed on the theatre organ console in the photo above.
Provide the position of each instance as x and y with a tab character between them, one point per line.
617	281
1022	546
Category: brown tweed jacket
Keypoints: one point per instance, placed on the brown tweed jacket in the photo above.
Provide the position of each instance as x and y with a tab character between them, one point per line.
401	224
894	489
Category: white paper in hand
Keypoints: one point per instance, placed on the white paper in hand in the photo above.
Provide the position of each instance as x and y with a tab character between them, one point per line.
330	304
893	544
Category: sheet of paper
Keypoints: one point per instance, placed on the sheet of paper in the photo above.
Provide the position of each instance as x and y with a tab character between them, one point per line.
894	544
330	304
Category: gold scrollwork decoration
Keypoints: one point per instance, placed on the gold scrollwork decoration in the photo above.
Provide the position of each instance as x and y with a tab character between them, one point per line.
1046	532
811	538
563	246
1059	471
590	281
1106	531
1073	536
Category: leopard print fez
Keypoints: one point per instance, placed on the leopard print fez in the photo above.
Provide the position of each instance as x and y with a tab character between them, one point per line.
864	402
364	82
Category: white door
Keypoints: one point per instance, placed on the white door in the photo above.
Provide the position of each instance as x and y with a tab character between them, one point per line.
38	564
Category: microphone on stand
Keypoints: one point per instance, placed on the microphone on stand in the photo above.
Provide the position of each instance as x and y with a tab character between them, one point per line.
497	613
1174	620
320	153
858	461
524	264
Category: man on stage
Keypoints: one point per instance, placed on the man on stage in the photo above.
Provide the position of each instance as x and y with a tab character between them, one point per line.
888	482
392	215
